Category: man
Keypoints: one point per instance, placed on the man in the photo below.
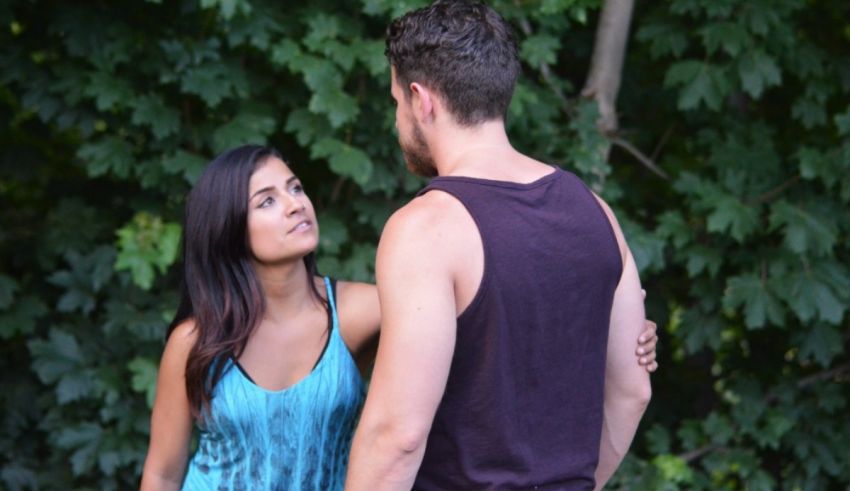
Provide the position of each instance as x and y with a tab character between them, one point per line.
510	300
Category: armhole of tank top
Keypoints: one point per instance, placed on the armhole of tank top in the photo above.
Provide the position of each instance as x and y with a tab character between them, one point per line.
484	283
607	222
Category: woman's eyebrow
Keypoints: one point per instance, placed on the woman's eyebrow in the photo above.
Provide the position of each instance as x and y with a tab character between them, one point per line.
267	188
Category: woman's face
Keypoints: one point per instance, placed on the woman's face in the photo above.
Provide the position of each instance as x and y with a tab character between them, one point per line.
281	221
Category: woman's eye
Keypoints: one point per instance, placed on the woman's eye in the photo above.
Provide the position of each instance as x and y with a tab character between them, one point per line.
266	202
297	189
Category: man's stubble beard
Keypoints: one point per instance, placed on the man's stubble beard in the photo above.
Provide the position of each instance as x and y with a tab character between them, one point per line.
417	155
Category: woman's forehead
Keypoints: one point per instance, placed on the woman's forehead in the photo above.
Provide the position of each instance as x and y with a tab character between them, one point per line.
270	171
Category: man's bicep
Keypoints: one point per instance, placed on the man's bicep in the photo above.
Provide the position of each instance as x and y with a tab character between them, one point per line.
418	324
627	322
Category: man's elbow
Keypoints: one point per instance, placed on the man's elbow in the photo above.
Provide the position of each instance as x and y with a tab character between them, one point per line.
399	438
636	394
407	439
640	394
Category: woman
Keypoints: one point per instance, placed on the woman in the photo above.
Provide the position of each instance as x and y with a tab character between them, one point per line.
263	354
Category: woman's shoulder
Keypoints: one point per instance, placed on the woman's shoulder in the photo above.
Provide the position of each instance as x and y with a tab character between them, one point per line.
355	292
359	312
183	337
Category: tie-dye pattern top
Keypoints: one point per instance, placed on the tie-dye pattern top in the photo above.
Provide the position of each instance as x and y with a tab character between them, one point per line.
297	438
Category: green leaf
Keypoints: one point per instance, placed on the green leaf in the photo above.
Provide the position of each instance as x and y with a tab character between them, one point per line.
321	27
56	356
306	126
21	318
228	8
17	477
151	111
702	259
729	36
333	235
673	469
371	54
84	440
760	304
758	70
74	386
108	91
249	126
343	159
540	49
816	164
700	83
673	227
320	75
85	278
776	425
340	107
144	372
658	440
731	215
286	53
718	428
211	82
809	112
804	232
109	154
189	165
842	122
822	344
700	330
145	245
665	39
8	287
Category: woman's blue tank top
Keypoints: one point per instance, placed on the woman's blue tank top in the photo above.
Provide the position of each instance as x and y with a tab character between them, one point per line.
297	438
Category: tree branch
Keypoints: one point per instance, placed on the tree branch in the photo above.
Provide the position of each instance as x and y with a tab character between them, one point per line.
603	83
697	453
769	195
636	153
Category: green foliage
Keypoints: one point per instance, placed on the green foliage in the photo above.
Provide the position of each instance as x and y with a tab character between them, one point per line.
109	112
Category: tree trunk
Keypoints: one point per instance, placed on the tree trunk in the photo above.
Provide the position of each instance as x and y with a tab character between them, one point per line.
606	66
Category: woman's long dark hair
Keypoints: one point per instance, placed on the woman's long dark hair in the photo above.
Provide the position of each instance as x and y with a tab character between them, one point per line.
220	289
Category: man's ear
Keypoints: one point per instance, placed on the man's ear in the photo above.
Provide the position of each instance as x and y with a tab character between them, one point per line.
422	102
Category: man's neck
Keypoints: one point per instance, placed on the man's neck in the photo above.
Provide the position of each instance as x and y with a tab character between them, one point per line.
482	151
467	151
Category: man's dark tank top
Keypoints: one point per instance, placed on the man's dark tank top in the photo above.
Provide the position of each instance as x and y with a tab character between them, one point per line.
523	402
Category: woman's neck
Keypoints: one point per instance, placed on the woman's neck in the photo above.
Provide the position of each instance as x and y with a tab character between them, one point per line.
287	289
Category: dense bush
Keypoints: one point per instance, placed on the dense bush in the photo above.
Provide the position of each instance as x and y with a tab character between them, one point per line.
109	110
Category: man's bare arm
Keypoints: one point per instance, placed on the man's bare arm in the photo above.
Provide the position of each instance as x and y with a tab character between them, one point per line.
414	353
627	387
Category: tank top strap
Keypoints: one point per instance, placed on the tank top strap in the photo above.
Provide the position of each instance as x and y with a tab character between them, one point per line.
330	287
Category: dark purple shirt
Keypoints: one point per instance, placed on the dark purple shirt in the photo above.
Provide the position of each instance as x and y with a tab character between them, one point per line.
523	402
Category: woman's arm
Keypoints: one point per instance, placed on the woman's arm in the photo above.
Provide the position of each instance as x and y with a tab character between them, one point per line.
359	320
171	419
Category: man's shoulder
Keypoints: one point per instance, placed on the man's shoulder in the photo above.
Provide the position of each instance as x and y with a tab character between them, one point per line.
429	213
434	228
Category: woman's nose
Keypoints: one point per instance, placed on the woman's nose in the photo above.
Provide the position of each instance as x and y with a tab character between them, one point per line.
294	205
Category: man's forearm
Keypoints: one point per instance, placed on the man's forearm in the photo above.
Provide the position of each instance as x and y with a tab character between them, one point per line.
382	461
620	422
